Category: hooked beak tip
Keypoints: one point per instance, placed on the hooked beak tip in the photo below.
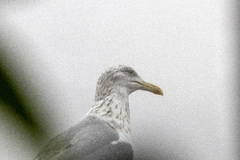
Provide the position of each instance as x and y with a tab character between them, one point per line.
152	88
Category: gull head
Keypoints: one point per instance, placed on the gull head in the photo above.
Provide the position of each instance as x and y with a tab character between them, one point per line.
122	80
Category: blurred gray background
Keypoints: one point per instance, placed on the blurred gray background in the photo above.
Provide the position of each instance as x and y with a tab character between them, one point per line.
54	51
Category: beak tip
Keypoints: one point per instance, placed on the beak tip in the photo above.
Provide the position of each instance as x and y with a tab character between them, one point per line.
158	92
152	88
161	93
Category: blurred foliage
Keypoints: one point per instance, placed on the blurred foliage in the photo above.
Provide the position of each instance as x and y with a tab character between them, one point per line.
14	103
10	98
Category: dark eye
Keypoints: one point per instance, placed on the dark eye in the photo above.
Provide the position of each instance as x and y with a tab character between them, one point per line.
130	72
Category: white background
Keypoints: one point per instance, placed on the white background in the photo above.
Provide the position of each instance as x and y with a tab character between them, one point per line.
184	47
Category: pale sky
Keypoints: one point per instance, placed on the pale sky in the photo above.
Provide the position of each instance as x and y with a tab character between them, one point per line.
181	46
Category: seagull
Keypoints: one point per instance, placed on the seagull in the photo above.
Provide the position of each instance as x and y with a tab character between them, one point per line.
105	132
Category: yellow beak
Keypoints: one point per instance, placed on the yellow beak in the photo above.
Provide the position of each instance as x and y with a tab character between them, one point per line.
151	88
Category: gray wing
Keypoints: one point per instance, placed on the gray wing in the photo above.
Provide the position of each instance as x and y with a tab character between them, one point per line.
89	140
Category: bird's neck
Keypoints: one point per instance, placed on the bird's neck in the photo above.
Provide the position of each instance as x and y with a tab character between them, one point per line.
114	109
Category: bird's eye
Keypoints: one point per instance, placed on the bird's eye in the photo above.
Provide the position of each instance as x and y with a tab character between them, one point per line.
130	72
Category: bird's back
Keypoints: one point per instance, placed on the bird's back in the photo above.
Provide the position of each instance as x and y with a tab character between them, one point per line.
91	139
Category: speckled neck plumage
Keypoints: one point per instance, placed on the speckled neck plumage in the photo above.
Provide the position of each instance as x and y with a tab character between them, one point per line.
111	98
114	109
